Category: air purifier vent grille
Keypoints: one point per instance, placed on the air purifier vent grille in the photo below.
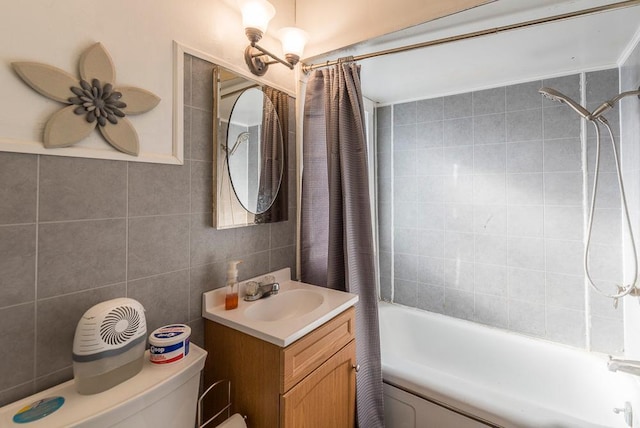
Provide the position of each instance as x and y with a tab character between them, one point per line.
119	325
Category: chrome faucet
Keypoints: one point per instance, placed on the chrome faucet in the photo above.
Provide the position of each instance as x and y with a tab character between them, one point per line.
261	291
627	366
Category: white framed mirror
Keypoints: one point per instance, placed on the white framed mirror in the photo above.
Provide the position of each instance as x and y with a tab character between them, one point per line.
249	120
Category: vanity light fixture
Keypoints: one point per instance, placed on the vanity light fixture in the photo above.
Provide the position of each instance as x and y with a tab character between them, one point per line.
256	15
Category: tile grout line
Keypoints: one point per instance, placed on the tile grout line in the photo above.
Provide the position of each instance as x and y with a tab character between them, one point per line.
126	235
35	296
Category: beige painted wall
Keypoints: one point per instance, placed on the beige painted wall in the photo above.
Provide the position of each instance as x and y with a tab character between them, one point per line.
334	24
139	36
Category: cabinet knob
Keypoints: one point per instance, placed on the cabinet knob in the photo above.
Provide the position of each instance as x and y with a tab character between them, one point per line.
356	367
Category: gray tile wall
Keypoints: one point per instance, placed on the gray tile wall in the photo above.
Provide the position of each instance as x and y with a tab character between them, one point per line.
630	147
482	212
74	232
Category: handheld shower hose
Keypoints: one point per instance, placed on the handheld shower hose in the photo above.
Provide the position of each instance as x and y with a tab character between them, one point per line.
597	118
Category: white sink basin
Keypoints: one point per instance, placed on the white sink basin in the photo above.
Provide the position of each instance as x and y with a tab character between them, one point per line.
283	318
282	306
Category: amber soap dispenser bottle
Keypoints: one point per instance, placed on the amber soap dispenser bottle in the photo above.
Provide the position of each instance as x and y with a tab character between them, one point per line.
231	298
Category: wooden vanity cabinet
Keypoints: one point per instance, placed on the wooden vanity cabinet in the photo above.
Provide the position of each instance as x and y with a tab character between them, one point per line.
310	383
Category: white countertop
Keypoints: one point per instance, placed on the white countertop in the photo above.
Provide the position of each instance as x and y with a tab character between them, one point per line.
281	332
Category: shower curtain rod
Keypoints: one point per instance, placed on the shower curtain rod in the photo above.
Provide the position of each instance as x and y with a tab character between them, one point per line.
623	4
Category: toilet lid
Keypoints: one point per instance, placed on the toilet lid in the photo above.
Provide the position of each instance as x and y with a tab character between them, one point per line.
115	404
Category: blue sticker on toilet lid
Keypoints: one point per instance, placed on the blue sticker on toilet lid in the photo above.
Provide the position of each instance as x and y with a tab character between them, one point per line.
38	410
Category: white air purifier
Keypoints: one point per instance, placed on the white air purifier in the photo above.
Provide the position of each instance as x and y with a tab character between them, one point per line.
109	344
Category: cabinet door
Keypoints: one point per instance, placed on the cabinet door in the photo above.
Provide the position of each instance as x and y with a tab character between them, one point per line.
325	398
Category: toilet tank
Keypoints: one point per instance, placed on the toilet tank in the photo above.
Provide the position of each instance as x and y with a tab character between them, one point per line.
160	396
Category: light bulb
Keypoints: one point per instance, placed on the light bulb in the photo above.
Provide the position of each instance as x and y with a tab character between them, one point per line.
293	40
256	14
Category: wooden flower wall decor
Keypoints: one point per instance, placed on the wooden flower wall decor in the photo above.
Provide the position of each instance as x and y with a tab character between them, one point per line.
93	100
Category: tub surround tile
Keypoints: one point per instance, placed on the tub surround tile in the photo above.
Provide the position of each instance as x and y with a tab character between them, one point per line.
602	85
383	140
563	188
525	189
383	116
459	275
459	218
568	85
431	271
18	188
459	246
526	285
491	310
491	219
524	125
490	279
405	215
430	161
491	249
430	298
459	304
607	335
560	122
430	110
489	189
406	292
405	267
489	129
460	105
524	96
563	222
429	134
561	290
526	156
566	326
563	155
489	101
499	185
490	159
431	243
404	137
405	163
525	221
527	318
404	114
458	132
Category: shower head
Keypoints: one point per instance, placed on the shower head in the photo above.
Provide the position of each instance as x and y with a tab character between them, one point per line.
554	95
607	105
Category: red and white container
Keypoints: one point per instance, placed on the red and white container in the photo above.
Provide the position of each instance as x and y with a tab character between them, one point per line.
169	344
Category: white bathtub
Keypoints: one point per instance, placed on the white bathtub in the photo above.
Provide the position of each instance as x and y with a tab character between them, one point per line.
493	377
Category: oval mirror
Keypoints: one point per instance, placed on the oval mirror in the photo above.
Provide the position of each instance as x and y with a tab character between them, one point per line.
255	154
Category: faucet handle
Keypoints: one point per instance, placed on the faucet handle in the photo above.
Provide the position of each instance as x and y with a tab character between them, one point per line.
251	288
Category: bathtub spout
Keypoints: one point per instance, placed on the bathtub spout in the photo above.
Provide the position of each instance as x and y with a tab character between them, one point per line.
627	366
